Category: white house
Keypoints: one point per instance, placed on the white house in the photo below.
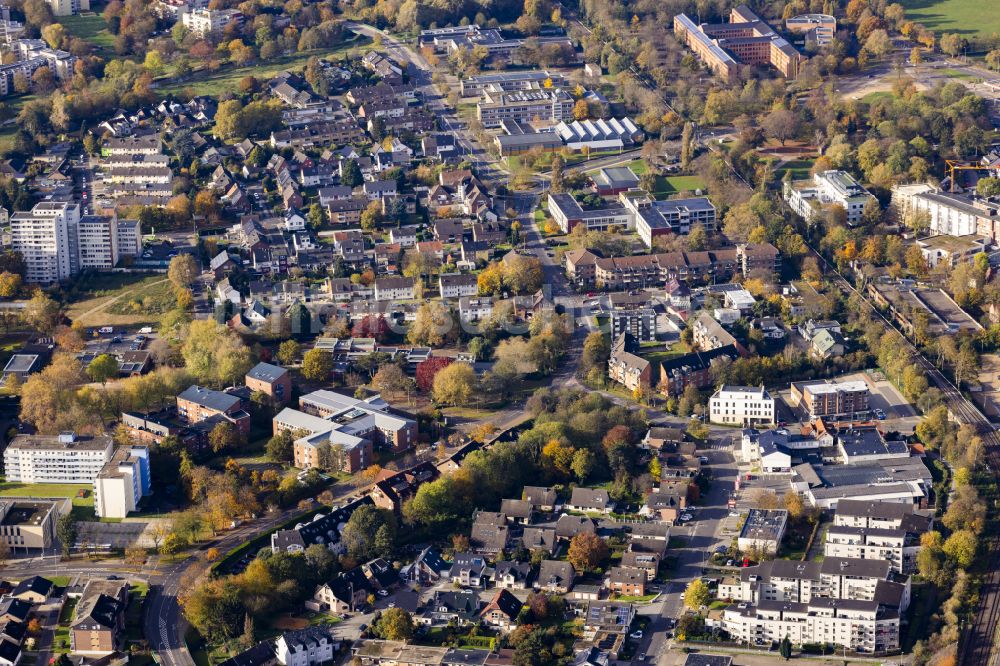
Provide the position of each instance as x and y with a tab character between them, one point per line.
305	647
741	405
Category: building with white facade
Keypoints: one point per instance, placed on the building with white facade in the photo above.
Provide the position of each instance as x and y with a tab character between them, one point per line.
762	530
741	405
46	236
209	21
947	213
567	213
65	458
69	7
884	531
122	482
57	243
861	626
828	188
672	216
305	647
552	104
819	28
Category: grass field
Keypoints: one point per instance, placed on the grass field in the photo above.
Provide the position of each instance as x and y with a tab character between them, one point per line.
123	302
227	78
873	97
970	18
92	28
83	507
799	168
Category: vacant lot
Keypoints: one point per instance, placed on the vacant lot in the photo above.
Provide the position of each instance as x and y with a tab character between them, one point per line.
970	18
132	300
227	78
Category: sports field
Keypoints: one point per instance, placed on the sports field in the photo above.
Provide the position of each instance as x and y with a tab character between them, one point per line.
970	18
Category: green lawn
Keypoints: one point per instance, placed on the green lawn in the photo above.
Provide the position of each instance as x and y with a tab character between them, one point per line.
799	168
153	296
83	507
227	78
873	97
970	18
674	184
957	74
92	28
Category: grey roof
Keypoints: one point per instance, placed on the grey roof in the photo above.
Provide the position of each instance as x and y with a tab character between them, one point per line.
701	659
206	397
856	567
555	572
21	363
590	498
265	372
516	508
539	496
878	510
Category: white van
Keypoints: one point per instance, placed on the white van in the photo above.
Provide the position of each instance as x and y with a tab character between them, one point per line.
105	330
146	330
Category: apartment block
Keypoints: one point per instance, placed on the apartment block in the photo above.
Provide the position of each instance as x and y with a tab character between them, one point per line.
624	367
828	188
831	399
885	531
197	403
47	238
65	458
948	214
819	28
742	405
122	482
69	7
204	22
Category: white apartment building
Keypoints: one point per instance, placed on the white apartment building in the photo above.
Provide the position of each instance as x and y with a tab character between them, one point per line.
394	289
69	7
551	104
56	242
828	188
305	647
948	214
456	285
475	308
861	626
122	482
897	547
65	458
46	236
209	21
741	405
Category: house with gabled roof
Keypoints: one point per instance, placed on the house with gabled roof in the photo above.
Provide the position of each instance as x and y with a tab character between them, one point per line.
502	611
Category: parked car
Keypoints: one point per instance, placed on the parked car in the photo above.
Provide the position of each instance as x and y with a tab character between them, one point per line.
637	634
383	593
703	460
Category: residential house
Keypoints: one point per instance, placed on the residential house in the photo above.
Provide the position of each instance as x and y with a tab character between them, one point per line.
627	582
555	576
539	538
469	570
306	647
542	499
502	611
509	575
517	511
569	526
591	500
426	569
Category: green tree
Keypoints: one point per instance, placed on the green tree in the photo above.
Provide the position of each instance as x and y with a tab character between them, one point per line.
455	384
280	447
103	368
67	531
961	548
317	364
42	313
583	464
350	174
587	551
785	648
223	437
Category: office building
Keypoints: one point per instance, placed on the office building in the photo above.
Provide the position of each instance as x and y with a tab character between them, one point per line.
30	524
828	398
122	482
741	405
828	188
819	28
567	213
744	40
673	216
547	104
762	530
510	81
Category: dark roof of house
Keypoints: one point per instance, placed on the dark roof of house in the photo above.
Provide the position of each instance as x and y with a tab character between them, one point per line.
14	629
308	637
516	508
432	559
461	602
568	526
97	612
206	397
9	650
506	603
595	498
627	575
539	496
519	570
538	537
555	572
489	536
708	660
261	654
15	608
36	584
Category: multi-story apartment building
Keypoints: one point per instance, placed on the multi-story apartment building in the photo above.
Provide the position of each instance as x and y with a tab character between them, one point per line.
56	242
65	458
456	285
741	405
673	216
693	369
198	403
272	380
886	531
831	399
624	367
723	47
146	144
640	323
947	213
850	579
122	482
69	7
46	236
708	334
203	22
326	444
861	626
394	289
549	104
828	188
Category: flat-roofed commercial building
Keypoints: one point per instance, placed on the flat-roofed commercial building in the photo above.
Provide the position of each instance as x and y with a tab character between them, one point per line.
763	530
550	104
819	28
829	398
672	216
29	524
